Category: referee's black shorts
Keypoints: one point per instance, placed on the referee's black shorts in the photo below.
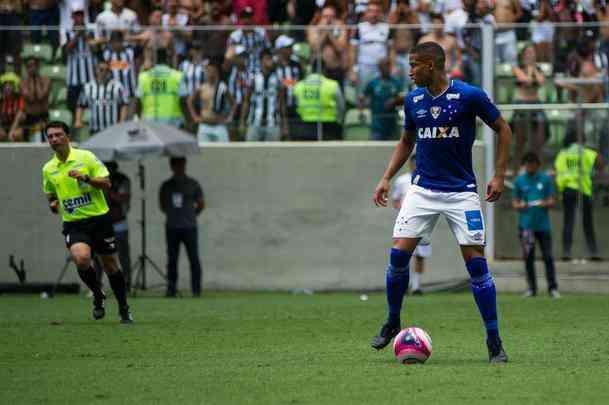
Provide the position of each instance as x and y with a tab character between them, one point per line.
97	232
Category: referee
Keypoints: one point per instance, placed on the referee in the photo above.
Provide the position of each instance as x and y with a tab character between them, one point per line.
74	181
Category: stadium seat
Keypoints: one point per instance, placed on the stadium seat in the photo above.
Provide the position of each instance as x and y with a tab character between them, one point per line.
558	120
61	115
504	83
55	72
59	97
357	125
44	52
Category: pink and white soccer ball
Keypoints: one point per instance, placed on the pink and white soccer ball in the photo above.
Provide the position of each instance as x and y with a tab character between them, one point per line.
412	345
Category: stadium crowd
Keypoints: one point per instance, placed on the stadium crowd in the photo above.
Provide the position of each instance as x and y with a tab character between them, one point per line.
237	64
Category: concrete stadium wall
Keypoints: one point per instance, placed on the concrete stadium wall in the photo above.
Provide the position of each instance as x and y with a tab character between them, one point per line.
279	217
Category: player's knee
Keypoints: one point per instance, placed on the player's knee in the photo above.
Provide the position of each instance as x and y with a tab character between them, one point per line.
398	261
82	260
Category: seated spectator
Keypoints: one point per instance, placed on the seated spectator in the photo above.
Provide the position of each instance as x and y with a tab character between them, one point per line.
117	18
122	60
370	43
403	39
35	90
11	40
263	112
567	36
528	125
175	20
454	63
44	13
12	105
253	39
383	95
105	98
78	45
217	107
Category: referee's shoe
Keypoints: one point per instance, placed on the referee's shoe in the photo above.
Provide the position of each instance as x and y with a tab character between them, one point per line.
99	310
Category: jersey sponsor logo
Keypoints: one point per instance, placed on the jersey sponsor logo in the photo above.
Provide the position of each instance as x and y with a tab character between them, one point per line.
453	96
71	204
438	132
421	113
418	98
435	111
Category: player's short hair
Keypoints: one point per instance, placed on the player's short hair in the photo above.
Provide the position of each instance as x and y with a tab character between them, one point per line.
430	50
531	157
57	124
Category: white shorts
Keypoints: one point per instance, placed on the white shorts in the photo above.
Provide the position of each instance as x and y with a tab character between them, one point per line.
212	133
421	209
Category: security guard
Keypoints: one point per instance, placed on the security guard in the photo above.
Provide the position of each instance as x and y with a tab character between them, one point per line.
319	99
74	181
574	166
161	93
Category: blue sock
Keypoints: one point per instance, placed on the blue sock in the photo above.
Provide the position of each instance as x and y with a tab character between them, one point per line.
397	278
483	288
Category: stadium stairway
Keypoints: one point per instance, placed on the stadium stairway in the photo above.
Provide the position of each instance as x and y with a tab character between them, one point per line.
588	277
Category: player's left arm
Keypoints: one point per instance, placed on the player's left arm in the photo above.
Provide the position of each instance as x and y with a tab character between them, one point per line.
496	185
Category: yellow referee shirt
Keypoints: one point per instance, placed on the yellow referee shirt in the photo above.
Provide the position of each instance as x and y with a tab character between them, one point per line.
77	200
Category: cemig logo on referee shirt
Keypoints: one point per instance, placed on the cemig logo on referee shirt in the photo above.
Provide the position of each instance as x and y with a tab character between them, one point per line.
438	132
71	204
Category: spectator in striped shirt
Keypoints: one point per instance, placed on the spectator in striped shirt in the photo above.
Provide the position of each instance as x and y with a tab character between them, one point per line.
263	104
254	40
289	71
105	98
217	107
238	81
122	60
77	45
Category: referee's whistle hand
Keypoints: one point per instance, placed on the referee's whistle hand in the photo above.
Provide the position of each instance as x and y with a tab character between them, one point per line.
75	174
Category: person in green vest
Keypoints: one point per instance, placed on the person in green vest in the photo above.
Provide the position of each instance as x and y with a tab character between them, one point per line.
161	93
575	164
318	100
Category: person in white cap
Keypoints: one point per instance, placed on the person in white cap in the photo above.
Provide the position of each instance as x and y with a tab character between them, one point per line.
289	71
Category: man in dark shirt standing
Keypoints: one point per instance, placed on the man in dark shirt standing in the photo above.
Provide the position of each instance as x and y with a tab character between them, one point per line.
181	199
119	198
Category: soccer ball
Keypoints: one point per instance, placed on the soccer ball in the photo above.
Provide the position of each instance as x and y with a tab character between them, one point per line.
412	345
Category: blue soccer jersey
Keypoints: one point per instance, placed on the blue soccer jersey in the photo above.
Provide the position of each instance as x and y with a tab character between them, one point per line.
445	128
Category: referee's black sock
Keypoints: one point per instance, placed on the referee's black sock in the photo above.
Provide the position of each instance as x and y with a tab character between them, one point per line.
119	287
90	279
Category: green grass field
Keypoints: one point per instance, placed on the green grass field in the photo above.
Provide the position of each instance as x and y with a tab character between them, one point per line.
266	348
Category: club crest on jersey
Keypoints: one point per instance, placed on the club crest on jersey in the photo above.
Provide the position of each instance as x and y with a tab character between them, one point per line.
418	98
453	96
435	111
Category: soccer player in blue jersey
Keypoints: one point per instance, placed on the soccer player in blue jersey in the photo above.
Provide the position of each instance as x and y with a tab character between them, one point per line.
440	118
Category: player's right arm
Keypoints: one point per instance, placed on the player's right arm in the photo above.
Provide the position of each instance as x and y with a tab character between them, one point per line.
49	190
400	155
